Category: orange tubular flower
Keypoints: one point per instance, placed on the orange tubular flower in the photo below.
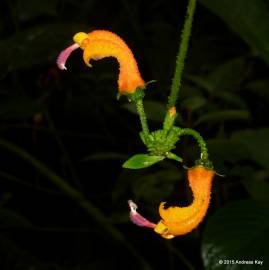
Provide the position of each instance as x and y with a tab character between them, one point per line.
100	44
172	111
182	220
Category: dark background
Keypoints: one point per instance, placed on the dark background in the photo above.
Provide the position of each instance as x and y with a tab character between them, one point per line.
71	122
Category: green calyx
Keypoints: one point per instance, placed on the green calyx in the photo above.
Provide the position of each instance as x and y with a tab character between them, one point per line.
137	95
206	163
139	92
160	141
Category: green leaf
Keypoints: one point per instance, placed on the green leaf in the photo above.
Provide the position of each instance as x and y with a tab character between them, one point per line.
141	161
193	103
220	87
224	115
257	188
250	19
230	98
174	157
259	88
253	179
9	218
227	75
238	231
256	142
201	82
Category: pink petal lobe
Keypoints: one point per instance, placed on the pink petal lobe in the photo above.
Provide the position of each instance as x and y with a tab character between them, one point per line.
137	219
63	56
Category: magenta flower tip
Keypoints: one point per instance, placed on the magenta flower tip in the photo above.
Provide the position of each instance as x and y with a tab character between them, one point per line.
137	219
63	56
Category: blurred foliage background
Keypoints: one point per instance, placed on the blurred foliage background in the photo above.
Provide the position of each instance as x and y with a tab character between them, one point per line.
74	128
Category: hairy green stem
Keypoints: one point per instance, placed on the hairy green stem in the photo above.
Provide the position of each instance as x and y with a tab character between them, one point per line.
183	47
74	194
196	135
143	118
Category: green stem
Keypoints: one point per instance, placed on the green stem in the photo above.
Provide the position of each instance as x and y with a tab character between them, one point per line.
183	47
143	118
71	192
202	144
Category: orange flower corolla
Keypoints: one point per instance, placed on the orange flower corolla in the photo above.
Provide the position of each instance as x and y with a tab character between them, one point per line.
172	111
99	44
182	220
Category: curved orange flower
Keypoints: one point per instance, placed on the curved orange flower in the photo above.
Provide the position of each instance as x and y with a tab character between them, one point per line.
182	220
99	44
